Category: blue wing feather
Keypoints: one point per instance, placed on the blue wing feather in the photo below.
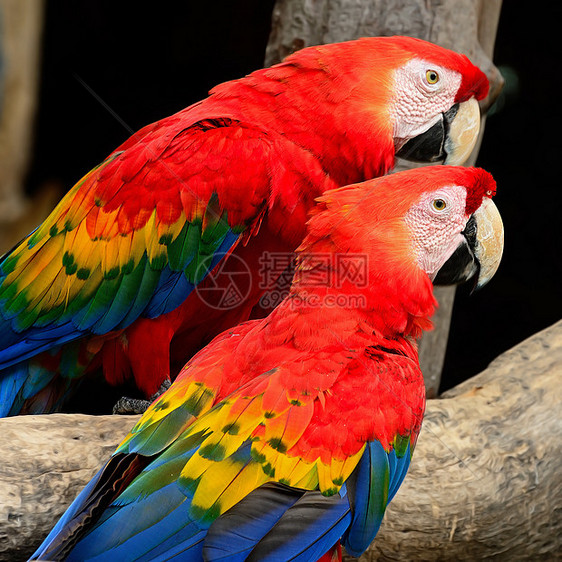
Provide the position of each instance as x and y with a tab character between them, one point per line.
398	474
307	530
132	531
13	379
235	533
368	497
372	486
34	341
158	293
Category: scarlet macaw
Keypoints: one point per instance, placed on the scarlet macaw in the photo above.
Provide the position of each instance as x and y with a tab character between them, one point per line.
107	281
289	433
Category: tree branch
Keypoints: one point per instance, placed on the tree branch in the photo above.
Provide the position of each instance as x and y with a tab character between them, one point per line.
466	26
484	481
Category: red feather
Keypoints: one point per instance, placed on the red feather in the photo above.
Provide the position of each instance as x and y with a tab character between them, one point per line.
267	145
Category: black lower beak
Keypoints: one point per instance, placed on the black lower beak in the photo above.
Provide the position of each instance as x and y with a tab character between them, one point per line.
430	146
463	264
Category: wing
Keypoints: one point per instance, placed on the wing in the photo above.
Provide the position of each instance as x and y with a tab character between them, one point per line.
134	236
207	378
44	382
372	487
235	482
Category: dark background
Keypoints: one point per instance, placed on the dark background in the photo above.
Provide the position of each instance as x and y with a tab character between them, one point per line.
146	64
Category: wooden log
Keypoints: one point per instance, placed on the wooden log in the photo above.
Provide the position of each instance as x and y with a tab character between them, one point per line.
433	345
484	482
467	26
46	461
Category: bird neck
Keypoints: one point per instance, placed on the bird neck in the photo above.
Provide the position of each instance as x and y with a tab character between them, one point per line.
336	296
319	112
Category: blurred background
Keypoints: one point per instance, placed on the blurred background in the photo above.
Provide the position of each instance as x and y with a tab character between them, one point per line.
108	68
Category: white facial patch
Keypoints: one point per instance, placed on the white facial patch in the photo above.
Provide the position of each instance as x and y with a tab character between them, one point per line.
424	91
436	223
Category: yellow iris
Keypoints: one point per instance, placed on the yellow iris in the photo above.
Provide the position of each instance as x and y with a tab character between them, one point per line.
439	204
432	76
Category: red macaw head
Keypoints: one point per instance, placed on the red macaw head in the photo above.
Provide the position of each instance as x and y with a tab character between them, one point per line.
432	224
415	99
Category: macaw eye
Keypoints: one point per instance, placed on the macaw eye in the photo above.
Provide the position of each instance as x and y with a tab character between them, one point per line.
432	76
439	204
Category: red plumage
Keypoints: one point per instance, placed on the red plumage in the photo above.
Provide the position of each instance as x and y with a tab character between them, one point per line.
257	153
289	433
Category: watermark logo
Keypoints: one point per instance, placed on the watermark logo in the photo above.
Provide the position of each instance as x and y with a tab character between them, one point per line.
230	282
276	276
228	285
350	268
312	300
314	271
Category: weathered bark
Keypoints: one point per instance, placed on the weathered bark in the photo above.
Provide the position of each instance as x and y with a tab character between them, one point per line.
467	26
433	345
46	461
485	479
484	482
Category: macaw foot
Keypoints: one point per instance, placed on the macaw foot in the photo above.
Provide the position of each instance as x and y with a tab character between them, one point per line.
127	406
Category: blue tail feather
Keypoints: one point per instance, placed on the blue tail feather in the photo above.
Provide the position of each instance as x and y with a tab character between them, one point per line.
11	382
399	473
34	388
369	498
131	531
306	530
235	533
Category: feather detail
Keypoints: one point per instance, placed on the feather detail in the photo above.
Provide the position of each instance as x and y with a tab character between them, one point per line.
268	415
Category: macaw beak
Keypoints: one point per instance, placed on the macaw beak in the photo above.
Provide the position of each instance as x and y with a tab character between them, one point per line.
480	252
489	241
450	140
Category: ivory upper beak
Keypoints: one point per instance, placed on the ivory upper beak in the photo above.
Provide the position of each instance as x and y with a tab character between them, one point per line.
489	240
463	133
